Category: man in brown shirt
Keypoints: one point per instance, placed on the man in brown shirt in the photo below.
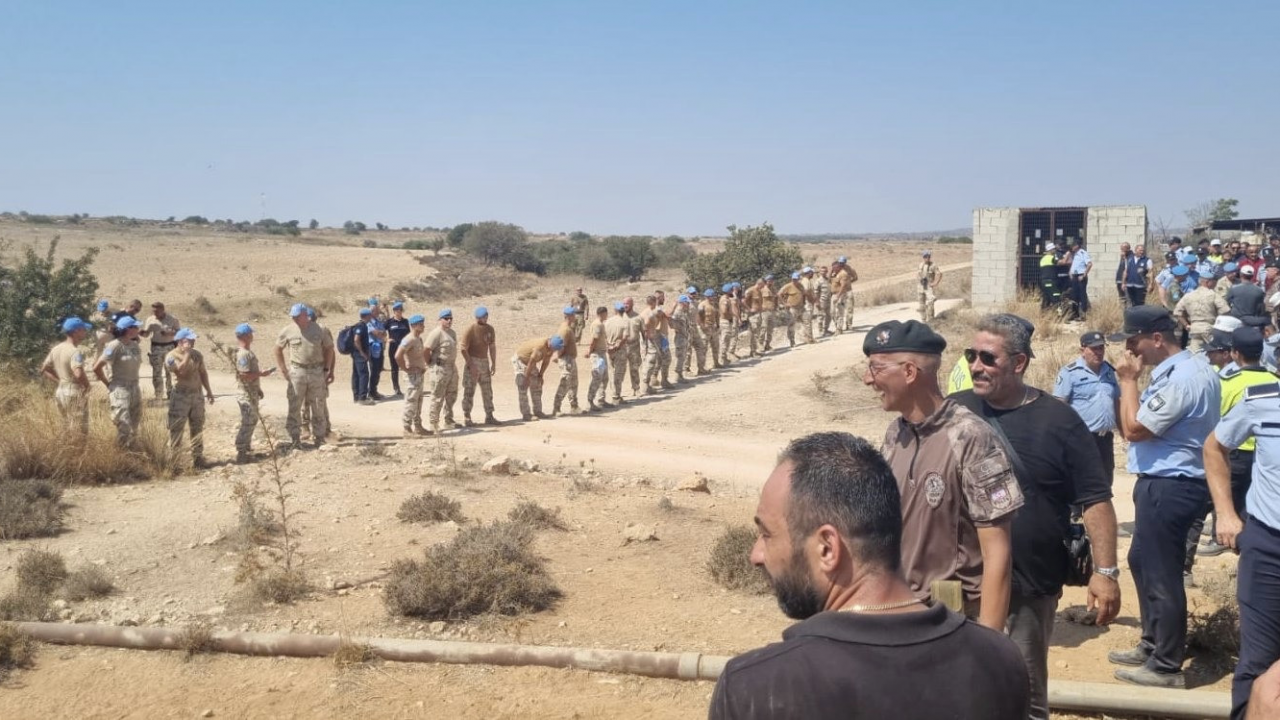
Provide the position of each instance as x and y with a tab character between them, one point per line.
635	344
65	365
308	370
709	317
791	296
597	354
529	363
842	279
160	328
411	356
959	491
617	335
480	362
186	407
753	304
567	361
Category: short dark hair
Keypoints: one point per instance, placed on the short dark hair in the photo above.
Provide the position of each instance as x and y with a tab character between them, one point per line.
840	480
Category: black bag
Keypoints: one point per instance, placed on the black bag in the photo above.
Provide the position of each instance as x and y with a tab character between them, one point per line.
1079	556
345	344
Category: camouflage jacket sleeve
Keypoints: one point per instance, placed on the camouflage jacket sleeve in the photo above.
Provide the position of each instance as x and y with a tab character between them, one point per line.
991	489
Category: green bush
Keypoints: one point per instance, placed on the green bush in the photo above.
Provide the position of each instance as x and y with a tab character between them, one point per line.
195	220
35	295
954	240
456	234
749	253
500	244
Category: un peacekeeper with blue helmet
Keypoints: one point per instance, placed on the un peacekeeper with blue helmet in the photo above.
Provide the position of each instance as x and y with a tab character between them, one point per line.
1165	426
1256	535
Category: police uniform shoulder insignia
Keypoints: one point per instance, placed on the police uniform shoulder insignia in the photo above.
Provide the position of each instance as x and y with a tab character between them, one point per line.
1230	373
1155	403
1258	392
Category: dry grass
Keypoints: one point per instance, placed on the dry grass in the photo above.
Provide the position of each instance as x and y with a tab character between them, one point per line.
280	586
484	569
430	507
351	654
87	582
25	603
30	508
17	649
1213	632
196	639
886	295
41	571
533	515
730	562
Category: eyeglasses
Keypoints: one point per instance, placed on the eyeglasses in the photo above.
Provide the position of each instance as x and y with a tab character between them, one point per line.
875	369
986	358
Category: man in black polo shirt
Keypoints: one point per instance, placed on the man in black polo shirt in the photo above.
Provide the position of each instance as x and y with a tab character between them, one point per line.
830	530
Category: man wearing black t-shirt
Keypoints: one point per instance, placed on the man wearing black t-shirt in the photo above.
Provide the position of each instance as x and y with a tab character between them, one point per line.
1057	466
397	329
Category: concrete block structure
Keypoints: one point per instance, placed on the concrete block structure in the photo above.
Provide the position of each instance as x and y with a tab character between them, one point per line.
1008	244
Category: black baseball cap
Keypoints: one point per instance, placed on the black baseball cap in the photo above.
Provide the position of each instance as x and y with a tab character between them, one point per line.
1218	340
897	336
1093	338
1247	341
1144	319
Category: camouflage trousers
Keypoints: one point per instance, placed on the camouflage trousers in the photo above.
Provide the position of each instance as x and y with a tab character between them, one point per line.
633	364
794	316
599	379
824	313
248	422
759	341
579	322
713	346
528	389
806	321
927	298
619	360
728	339
477	372
125	401
161	376
412	418
839	309
186	407
307	389
73	405
568	385
846	318
657	362
442	382
682	348
699	343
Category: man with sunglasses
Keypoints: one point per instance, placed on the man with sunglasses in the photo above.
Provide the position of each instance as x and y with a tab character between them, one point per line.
1166	426
1054	456
959	492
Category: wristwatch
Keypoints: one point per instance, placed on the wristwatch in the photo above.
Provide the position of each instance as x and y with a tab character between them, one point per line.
1112	572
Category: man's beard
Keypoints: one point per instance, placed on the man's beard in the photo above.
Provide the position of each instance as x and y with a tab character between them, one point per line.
794	590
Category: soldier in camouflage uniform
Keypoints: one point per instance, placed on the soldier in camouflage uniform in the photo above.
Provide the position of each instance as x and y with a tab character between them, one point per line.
186	407
567	361
581	306
617	340
680	335
1197	310
248	374
480	361
728	314
442	371
709	316
597	355
160	328
412	358
635	340
65	365
823	284
123	357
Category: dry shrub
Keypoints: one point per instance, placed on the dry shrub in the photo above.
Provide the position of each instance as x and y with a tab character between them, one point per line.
483	569
373	451
665	505
1213	635
41	571
730	563
280	586
196	638
17	649
430	507
26	603
350	654
533	515
29	508
460	276
887	294
87	582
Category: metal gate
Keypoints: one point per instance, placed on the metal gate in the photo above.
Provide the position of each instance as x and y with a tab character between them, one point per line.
1039	226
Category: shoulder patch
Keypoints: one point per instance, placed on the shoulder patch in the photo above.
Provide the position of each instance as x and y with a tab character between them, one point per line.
1230	373
1155	403
1257	392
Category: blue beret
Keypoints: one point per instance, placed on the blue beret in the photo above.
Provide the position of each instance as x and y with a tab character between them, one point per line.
103	304
1181	271
365	311
126	322
482	311
569	310
728	287
297	309
243	329
620	306
691	290
417	320
683	299
373	301
185	334
1229	267
445	313
73	323
709	292
795	276
397	305
556	342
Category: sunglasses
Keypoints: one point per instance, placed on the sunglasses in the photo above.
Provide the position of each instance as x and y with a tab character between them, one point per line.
986	358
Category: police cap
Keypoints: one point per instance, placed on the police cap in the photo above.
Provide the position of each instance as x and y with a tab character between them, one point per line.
1144	319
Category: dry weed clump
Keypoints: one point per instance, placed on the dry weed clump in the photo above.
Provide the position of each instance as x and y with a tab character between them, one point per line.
730	562
280	586
531	514
30	508
17	649
41	571
430	507
87	582
26	603
350	654
888	294
196	638
483	569
1214	635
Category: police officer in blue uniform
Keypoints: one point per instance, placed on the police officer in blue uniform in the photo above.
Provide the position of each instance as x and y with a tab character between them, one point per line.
1088	384
1257	535
397	330
1165	426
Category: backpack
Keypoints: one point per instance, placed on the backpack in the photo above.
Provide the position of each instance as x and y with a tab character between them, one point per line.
345	343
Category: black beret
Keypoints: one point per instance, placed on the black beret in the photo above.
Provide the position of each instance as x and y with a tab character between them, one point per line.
897	336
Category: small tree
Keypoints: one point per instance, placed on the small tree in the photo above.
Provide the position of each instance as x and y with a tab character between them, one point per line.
748	254
578	236
36	294
457	233
494	242
313	224
351	227
631	256
1211	211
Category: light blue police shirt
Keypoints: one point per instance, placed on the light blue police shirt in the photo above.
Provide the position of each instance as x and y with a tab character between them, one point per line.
1079	261
1091	395
1269	353
1165	278
1180	407
1258	415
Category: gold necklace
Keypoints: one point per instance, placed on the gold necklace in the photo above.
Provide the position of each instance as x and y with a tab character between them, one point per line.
882	606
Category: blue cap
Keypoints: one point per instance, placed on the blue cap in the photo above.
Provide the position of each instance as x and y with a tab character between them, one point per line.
556	342
126	322
373	302
619	306
1181	271
1229	267
397	305
736	284
365	311
683	299
445	313
417	320
842	259
807	269
927	253
73	324
1188	257
244	329
728	287
709	292
311	312
691	290
482	311
185	334
768	278
297	309
569	310
795	276
103	305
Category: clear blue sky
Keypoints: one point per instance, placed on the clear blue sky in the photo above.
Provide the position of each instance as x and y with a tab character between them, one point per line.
636	117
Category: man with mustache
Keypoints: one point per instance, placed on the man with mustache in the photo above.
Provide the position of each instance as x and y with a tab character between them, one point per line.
830	530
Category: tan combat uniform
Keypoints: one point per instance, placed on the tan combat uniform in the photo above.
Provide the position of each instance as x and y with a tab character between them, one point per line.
442	374
581	306
529	390
306	352
477	342
680	323
809	312
568	365
769	315
72	395
186	404
617	334
414	366
635	344
1200	308
791	296
711	328
161	334
823	287
598	353
927	276
842	291
955	476
249	392
728	313
123	361
753	304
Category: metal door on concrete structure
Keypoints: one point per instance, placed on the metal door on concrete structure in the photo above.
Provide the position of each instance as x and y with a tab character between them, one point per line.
1039	226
